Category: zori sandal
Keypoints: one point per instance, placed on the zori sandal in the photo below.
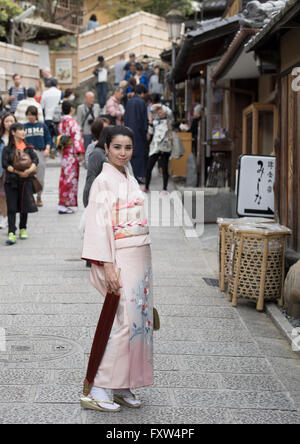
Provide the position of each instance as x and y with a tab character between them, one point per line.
87	402
129	400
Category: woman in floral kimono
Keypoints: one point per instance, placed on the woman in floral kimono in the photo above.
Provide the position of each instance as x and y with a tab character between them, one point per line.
72	155
117	238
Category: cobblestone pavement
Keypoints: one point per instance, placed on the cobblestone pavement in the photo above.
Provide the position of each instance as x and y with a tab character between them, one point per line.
213	363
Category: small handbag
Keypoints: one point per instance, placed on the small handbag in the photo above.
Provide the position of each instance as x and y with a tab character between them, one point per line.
21	160
156	320
36	185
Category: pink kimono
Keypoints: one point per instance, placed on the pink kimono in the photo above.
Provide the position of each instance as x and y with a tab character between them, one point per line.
117	231
68	183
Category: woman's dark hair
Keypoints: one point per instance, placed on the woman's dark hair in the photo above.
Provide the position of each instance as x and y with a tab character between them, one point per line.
93	18
32	110
2	128
15	127
66	107
140	89
139	67
68	93
103	137
96	128
155	98
115	131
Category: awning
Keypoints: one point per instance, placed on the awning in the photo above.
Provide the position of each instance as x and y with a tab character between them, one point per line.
46	30
208	42
236	62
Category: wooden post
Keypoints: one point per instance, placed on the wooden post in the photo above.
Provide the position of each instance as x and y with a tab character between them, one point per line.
237	271
260	302
281	300
222	271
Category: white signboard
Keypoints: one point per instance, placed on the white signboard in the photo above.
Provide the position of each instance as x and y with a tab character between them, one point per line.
256	186
63	70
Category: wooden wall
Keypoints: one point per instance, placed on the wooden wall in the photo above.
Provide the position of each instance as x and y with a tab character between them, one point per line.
14	59
288	158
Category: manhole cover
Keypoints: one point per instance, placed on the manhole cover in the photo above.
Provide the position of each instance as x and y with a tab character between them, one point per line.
211	282
36	348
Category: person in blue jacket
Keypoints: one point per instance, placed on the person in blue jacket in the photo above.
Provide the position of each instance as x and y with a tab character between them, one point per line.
39	137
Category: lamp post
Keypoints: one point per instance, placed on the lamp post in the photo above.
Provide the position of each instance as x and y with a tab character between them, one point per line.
174	20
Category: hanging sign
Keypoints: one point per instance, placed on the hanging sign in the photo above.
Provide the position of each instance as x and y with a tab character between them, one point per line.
256	178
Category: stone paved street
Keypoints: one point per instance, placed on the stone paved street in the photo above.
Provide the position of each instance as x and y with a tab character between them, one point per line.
213	363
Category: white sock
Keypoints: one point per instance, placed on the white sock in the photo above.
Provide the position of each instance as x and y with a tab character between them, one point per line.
99	394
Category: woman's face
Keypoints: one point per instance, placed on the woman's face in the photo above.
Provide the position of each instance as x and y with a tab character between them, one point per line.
120	150
8	122
19	134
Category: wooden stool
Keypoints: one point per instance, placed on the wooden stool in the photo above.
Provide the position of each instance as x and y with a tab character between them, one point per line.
225	240
258	263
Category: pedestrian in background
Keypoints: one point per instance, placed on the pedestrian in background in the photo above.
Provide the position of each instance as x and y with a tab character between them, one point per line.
114	108
92	23
24	104
50	99
136	118
141	78
87	113
72	154
160	128
18	184
96	129
16	93
146	68
117	238
38	136
102	73
96	159
155	87
7	121
119	68
132	61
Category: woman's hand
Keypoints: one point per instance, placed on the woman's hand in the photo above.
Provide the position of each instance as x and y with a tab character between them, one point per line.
111	277
23	174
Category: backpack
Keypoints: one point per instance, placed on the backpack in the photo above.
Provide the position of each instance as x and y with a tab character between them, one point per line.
57	114
24	92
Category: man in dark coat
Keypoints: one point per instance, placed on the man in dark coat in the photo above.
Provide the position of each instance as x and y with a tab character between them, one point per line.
136	118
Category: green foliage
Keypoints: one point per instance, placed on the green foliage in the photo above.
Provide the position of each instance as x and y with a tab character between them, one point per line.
8	9
121	8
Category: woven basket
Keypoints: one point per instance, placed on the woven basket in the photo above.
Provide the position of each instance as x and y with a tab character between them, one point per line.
225	240
257	268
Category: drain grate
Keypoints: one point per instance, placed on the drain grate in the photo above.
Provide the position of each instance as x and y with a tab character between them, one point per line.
211	282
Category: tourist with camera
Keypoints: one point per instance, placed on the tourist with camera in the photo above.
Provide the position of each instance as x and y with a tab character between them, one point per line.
87	113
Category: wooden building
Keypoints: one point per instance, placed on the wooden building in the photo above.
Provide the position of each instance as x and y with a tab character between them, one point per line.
278	55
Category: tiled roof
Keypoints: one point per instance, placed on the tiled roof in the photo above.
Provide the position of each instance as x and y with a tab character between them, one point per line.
271	24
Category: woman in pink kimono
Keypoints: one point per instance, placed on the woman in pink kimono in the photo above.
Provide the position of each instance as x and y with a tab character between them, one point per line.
72	155
117	238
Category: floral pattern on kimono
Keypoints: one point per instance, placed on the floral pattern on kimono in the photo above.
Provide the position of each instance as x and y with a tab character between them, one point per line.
68	184
142	322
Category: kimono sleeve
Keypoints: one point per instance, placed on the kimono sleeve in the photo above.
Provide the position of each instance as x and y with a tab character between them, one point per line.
76	136
98	244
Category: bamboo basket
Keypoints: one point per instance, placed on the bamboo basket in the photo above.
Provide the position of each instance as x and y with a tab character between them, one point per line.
256	269
225	239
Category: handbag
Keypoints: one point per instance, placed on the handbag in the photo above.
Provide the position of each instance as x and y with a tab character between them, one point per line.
21	160
156	320
36	185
